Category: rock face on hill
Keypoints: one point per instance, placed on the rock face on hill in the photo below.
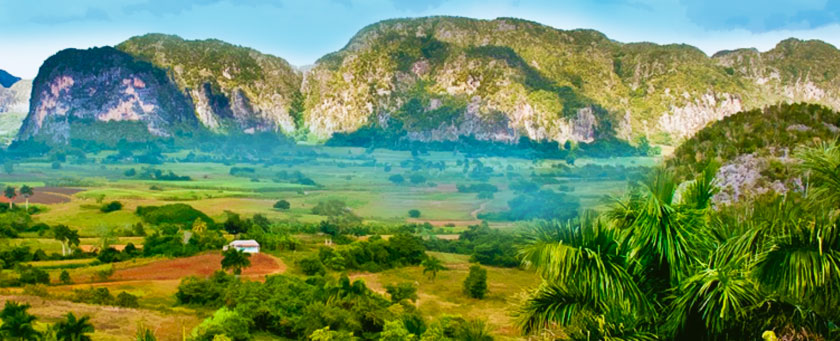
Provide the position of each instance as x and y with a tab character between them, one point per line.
504	78
233	89
433	79
15	98
80	89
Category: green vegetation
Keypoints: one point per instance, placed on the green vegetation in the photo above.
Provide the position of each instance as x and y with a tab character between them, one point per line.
737	271
476	283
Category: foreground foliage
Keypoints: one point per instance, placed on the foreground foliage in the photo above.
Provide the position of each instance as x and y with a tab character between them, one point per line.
663	263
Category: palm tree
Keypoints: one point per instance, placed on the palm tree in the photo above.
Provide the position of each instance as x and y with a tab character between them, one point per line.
235	260
17	322
10	194
666	233
585	272
73	329
26	191
822	166
431	266
66	236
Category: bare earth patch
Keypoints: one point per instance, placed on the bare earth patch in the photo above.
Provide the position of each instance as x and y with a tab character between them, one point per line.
202	265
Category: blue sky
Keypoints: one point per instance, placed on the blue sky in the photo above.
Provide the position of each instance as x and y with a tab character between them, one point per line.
303	30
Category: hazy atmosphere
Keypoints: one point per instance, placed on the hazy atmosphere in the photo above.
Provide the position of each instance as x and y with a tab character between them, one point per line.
419	170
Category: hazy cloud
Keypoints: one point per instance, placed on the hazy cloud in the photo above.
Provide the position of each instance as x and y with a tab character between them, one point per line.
762	16
416	6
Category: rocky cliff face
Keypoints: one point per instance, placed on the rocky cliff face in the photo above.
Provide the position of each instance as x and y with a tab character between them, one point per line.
233	89
435	79
77	88
504	78
16	97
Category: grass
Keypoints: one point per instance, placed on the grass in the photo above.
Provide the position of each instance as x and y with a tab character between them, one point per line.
340	174
444	294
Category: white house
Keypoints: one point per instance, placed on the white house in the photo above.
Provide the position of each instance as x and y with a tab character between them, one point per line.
247	246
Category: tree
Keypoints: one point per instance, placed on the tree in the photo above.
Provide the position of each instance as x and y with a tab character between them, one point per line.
235	260
17	322
396	178
235	225
395	331
111	207
401	291
431	266
66	236
475	285
27	192
414	213
73	329
64	277
282	205
10	194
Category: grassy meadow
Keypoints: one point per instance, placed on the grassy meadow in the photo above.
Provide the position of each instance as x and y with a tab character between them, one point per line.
353	175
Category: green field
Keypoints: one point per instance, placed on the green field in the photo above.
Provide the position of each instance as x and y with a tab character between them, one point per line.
354	176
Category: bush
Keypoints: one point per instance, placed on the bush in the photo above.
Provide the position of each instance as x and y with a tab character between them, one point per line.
414	213
402	291
126	300
475	285
179	214
417	179
111	207
312	266
282	205
396	178
65	277
33	275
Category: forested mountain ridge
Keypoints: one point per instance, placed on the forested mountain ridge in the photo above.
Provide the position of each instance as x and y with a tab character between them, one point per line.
504	78
233	89
439	79
756	149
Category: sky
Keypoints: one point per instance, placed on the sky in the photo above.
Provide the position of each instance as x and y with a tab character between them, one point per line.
301	31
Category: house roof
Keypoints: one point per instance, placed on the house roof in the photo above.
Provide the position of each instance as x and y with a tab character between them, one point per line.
4	200
245	243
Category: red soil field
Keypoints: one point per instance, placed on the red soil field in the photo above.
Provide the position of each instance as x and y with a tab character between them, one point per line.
202	265
45	195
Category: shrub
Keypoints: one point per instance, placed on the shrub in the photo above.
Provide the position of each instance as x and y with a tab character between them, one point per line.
179	214
396	178
33	275
475	285
282	205
312	266
402	291
65	277
414	213
126	300
111	207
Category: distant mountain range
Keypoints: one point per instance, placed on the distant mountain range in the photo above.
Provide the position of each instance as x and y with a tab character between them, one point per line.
426	79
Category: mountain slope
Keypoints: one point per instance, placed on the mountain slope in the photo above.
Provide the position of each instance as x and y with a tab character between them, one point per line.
6	79
233	89
755	148
505	78
79	92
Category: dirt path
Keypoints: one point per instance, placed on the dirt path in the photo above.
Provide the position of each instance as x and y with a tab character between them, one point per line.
478	210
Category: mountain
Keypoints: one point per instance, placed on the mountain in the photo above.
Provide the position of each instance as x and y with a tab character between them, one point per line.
6	79
442	77
438	79
104	93
14	104
755	149
16	97
233	89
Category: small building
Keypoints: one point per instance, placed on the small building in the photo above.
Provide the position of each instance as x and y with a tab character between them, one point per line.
247	246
